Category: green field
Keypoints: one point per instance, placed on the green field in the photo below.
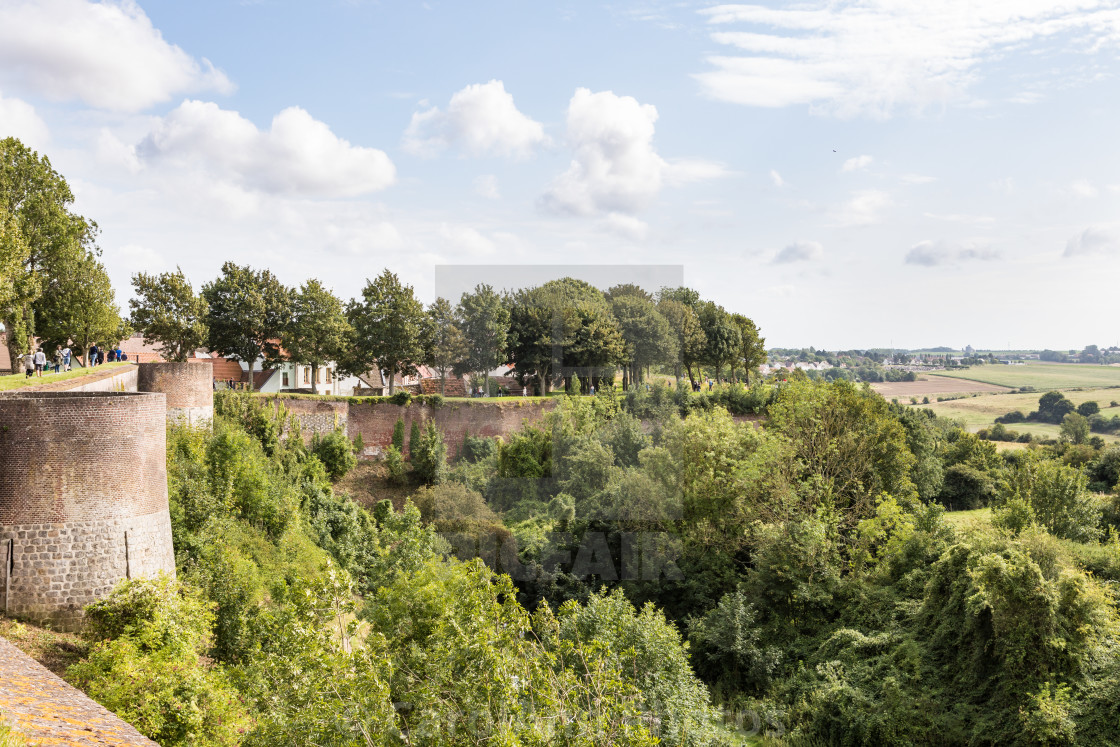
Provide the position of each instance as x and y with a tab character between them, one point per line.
18	381
1041	376
982	411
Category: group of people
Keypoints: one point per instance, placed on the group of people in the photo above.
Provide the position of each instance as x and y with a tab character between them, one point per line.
97	356
36	362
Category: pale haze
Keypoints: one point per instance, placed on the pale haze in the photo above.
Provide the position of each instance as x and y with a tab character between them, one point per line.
848	174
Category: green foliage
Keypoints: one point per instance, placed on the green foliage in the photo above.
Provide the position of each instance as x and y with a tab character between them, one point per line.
1058	497
1075	428
336	452
403	398
477	448
145	666
390	329
413	439
247	312
318	332
394	462
429	454
165	309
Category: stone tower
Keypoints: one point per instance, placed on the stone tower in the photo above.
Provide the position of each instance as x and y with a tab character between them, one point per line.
83	499
189	388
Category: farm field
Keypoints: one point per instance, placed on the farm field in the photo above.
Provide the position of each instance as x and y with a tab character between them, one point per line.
981	412
1041	376
928	387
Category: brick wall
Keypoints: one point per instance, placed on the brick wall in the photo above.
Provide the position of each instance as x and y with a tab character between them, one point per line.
189	388
83	498
375	421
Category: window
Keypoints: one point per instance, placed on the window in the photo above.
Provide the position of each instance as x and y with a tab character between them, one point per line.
306	375
328	376
319	376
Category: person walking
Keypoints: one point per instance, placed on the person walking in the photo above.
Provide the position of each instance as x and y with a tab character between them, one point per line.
57	361
66	353
91	359
28	365
40	362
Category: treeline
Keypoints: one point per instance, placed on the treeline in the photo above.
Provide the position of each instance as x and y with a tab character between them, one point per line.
562	333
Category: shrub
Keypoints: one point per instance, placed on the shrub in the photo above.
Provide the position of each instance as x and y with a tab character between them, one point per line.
413	439
394	461
1088	408
451	503
336	452
398	435
429	454
477	448
434	401
359	444
925	400
1012	417
402	398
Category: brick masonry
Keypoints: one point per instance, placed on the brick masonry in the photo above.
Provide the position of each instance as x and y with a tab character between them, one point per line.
83	499
375	420
189	388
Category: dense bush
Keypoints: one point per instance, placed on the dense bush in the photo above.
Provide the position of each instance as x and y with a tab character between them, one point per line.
336	452
429	454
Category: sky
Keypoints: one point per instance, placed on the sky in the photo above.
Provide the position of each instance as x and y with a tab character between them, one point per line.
848	174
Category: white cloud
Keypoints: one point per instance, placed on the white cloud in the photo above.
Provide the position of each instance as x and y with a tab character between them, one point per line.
615	167
799	251
486	186
935	253
777	179
864	209
857	163
19	119
917	179
961	218
625	225
466	239
873	57
1084	189
297	155
106	54
1093	241
481	119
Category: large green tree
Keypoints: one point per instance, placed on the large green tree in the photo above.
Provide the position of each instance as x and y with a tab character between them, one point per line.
79	308
445	345
485	323
319	332
248	312
752	346
390	327
35	205
722	335
691	340
166	310
649	338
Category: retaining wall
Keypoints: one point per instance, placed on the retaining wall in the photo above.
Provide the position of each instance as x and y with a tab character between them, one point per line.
189	388
375	420
83	499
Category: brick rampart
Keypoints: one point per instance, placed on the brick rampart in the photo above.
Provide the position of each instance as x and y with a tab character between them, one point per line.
83	499
189	388
375	420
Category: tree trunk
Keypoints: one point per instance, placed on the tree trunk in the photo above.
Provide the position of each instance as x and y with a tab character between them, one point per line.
392	380
252	365
314	378
486	384
443	383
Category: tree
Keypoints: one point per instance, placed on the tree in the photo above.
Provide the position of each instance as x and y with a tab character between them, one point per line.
752	346
167	310
485	323
429	455
445	345
13	253
248	311
1075	428
35	206
647	335
723	338
687	296
627	289
318	332
691	340
1053	406
80	308
389	328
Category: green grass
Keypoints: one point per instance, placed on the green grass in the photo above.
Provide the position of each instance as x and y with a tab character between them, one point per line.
981	411
1041	376
975	519
19	381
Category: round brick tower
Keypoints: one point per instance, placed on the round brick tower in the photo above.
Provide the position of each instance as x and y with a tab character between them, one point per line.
83	499
189	388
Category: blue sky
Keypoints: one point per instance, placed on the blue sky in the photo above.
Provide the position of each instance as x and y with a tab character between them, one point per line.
849	174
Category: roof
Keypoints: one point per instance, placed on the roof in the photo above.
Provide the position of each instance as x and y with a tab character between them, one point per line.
453	386
226	369
373	379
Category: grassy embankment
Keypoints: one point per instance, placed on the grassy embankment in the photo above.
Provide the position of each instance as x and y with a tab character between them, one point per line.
9	382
